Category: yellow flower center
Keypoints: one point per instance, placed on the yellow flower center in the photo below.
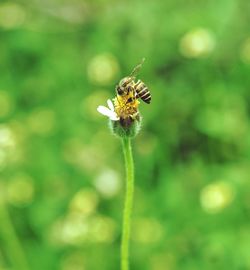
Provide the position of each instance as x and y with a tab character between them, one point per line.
126	106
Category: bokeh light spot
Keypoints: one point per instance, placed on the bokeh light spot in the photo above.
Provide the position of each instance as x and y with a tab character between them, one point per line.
245	51
147	230
76	229
103	69
11	15
102	229
71	11
83	157
5	104
108	183
73	261
7	145
91	102
6	137
84	202
197	43
215	197
225	119
163	261
20	191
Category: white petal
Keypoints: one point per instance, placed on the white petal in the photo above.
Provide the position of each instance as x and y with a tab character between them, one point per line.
104	111
110	104
114	117
107	112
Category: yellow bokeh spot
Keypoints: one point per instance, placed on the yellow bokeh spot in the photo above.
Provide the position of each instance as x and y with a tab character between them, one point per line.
83	157
7	145
245	51
2	191
90	103
71	11
20	191
76	230
11	15
73	261
215	197
6	137
84	201
5	104
225	123
163	261
102	229
197	43
108	183
103	69
147	230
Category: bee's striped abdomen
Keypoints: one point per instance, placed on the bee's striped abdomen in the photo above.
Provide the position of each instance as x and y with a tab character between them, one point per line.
142	92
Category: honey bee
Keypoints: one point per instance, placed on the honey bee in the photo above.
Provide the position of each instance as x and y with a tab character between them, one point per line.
131	90
128	92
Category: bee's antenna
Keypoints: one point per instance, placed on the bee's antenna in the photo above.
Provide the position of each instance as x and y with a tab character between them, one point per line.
137	68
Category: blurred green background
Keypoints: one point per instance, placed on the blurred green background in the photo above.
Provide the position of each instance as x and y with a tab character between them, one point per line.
62	172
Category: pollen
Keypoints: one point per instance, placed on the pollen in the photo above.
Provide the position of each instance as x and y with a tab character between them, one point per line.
125	108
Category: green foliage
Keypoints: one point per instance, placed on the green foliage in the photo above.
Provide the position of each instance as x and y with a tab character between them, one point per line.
62	173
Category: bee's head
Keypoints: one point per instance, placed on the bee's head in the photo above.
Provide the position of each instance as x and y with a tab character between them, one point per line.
122	88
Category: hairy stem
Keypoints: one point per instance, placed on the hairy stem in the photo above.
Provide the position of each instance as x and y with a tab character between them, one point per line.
129	163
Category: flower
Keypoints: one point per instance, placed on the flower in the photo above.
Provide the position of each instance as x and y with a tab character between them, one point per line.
110	111
124	120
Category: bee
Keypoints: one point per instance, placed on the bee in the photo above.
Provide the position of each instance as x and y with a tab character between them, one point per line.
126	102
130	90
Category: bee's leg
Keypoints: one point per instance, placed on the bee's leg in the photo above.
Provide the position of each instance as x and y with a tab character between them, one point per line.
135	116
135	93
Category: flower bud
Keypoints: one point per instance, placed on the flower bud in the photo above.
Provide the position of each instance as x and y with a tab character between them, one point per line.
128	127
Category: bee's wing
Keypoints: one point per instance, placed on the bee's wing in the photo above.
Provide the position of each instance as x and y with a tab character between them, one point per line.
137	68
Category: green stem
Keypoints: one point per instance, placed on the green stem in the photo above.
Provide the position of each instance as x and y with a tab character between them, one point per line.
129	163
12	245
